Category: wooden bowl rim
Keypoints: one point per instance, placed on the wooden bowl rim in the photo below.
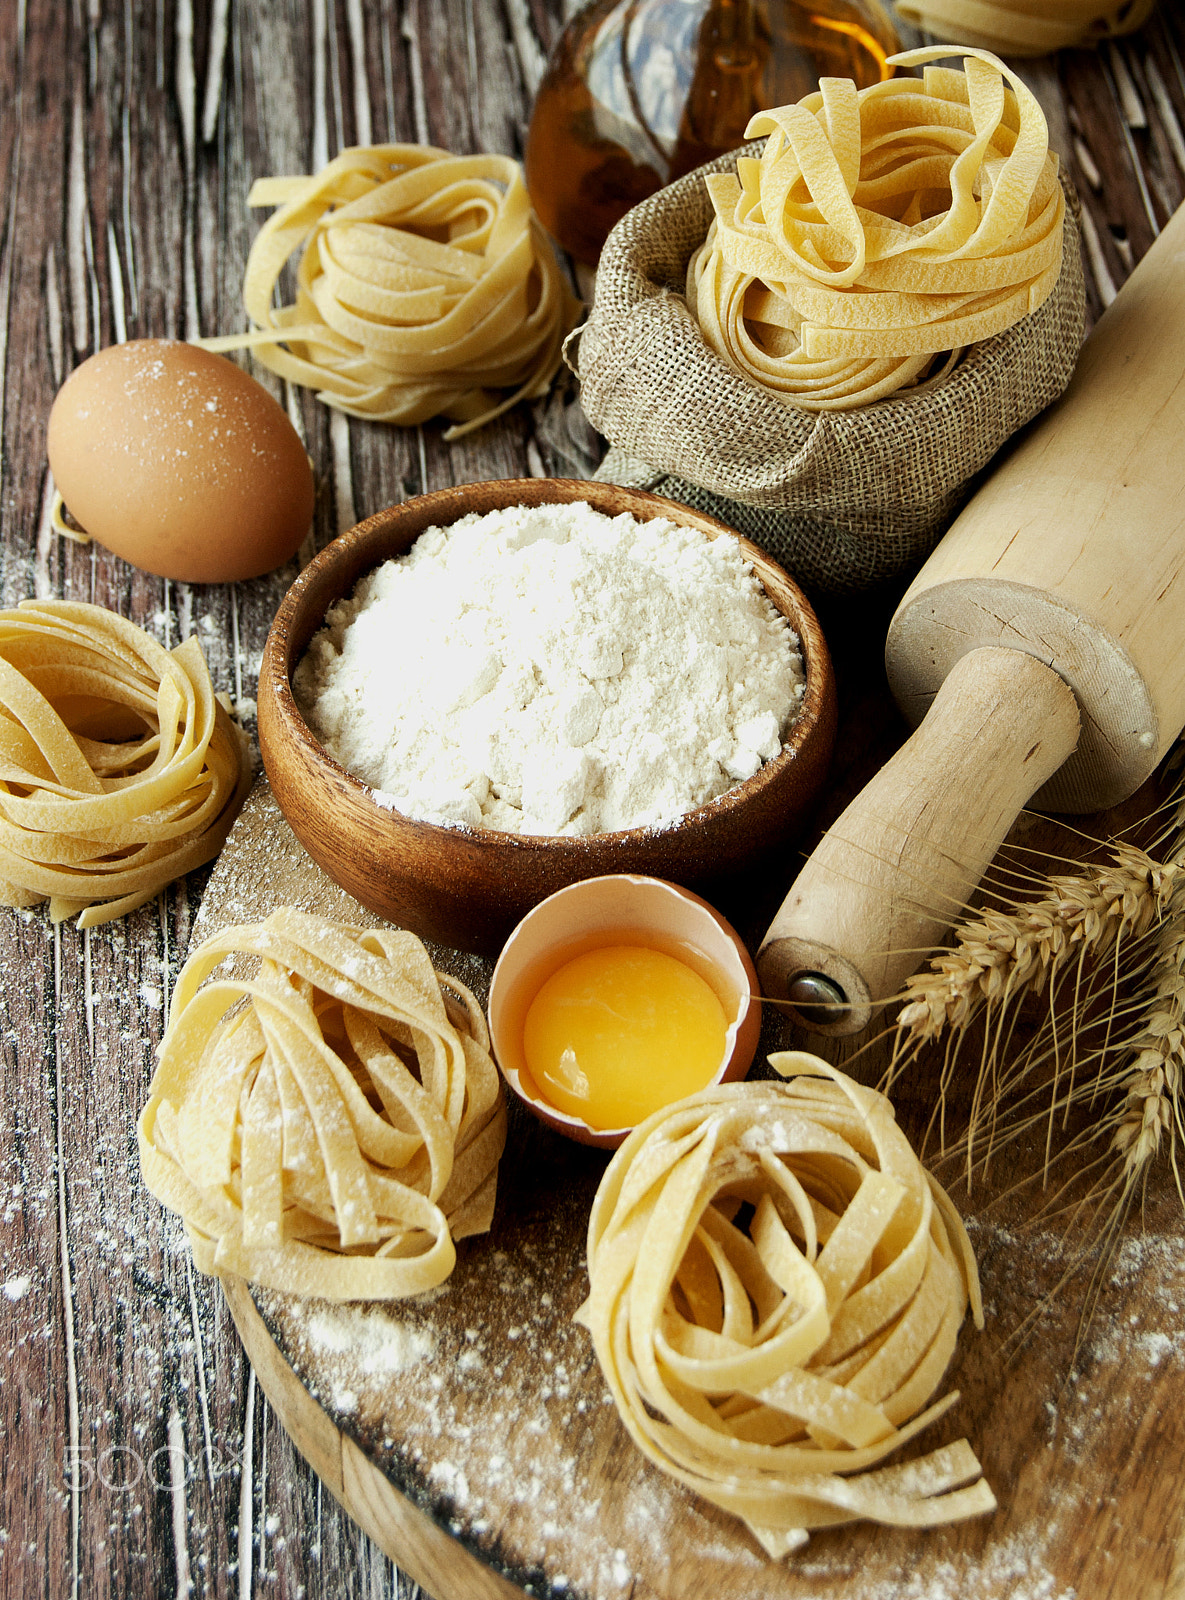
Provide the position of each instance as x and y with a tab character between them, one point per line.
351	552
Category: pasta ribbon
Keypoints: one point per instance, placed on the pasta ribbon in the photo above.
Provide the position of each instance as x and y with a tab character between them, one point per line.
332	1124
880	229
1025	28
775	1291
425	284
120	769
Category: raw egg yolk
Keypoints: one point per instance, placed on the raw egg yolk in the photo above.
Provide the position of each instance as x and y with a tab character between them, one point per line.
621	1030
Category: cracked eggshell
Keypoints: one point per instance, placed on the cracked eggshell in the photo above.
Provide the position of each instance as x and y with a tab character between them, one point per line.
178	461
594	912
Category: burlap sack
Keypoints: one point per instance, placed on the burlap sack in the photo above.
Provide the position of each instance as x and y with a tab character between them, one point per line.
844	499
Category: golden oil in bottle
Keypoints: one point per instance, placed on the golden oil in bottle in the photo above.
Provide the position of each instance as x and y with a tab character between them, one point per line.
639	92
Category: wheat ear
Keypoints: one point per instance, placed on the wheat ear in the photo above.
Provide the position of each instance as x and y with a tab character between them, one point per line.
1149	1116
1152	1109
1120	922
1003	953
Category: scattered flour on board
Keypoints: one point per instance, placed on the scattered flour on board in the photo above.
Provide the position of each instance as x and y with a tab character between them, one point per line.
349	1346
551	670
492	1430
1010	1567
499	1434
372	1341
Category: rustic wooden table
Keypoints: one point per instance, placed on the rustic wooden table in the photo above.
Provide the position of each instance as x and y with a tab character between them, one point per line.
141	1455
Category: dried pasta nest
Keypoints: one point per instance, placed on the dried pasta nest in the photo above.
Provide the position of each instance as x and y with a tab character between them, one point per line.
880	228
775	1292
425	287
332	1124
120	769
771	399
1025	28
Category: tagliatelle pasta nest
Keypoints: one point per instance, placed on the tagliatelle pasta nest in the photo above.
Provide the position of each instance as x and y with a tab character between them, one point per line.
332	1124
880	229
120	770
776	1289
1027	27
425	287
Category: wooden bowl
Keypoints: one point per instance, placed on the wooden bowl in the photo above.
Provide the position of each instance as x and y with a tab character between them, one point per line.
469	887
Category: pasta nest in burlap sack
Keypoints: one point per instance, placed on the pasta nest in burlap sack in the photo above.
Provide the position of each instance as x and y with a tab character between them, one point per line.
844	498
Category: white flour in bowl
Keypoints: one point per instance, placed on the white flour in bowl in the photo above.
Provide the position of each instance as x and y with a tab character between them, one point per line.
552	670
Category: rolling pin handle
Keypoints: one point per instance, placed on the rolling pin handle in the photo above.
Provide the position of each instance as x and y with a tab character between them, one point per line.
824	993
894	872
815	995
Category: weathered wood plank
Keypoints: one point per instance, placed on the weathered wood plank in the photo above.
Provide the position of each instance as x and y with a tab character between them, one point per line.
140	1454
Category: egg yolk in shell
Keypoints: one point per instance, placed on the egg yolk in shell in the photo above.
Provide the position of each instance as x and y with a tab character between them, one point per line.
620	1030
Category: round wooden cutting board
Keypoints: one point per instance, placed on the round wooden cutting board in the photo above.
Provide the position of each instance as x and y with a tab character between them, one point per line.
470	1433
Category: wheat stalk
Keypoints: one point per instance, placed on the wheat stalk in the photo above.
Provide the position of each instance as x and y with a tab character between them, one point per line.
1082	941
1026	948
1149	1115
1152	1105
1004	953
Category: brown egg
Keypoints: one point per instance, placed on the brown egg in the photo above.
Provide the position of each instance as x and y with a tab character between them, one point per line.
179	462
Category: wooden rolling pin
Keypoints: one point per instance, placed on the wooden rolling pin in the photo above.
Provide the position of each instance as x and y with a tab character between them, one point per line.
1042	650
